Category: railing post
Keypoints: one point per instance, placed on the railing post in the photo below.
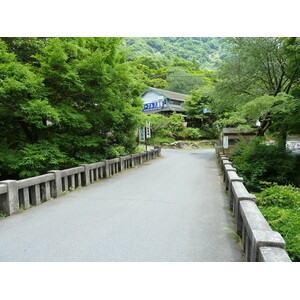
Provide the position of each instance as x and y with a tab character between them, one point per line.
132	160
158	151
58	184
86	175
11	205
26	198
107	172
148	155
121	164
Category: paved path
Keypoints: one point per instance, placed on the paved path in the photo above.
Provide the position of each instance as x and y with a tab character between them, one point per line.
170	209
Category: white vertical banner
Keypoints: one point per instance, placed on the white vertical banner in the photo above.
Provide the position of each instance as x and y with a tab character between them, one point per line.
142	134
148	130
225	142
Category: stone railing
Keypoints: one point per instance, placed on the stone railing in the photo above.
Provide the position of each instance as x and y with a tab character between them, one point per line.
16	194
260	242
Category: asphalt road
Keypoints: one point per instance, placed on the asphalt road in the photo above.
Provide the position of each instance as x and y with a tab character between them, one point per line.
171	209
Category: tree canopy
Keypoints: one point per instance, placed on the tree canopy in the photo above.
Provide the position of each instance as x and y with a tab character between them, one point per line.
64	101
259	82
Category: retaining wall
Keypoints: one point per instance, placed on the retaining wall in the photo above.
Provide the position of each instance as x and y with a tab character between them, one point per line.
16	194
260	242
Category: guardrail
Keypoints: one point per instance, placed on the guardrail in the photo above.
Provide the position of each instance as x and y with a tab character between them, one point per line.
260	242
16	194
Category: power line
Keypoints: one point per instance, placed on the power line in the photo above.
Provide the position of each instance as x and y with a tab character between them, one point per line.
200	83
164	75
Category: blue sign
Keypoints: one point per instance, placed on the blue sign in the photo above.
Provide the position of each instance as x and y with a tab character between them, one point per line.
153	106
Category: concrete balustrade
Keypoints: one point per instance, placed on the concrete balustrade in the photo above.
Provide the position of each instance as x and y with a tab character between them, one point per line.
35	190
260	242
230	178
227	168
239	193
273	254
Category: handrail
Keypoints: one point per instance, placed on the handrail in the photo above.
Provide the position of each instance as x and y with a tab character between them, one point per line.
260	242
24	193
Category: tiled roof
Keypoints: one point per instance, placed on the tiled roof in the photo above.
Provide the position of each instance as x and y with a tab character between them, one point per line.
169	94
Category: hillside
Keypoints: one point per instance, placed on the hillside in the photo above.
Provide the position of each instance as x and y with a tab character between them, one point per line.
207	51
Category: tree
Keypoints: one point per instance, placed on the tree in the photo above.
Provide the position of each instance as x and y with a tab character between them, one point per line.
254	83
72	101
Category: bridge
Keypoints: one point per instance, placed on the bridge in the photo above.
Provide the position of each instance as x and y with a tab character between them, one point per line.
159	205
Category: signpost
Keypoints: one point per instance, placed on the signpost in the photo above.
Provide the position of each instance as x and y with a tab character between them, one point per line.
142	137
148	131
145	133
225	142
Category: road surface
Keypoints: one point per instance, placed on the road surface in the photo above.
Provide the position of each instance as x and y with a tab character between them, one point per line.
171	209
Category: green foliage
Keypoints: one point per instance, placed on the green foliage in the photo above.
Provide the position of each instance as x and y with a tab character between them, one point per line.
205	51
197	133
2	215
116	151
280	206
194	133
39	158
260	81
167	128
64	101
161	140
285	196
257	162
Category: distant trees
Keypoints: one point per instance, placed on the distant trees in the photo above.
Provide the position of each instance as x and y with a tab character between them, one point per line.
64	101
260	81
207	52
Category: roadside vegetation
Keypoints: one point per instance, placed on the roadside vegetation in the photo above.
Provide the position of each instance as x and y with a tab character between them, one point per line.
169	130
281	207
258	90
63	102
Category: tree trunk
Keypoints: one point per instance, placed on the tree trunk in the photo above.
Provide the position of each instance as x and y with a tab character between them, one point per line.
282	136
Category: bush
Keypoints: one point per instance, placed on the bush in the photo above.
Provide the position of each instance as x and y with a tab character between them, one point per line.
285	196
257	162
280	205
160	140
36	159
194	133
115	151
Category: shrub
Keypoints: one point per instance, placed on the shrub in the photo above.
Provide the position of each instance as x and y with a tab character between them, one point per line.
115	151
280	205
285	196
160	140
257	162
194	133
38	158
287	222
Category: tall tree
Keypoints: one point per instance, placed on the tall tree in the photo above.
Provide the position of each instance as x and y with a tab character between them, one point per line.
68	101
254	83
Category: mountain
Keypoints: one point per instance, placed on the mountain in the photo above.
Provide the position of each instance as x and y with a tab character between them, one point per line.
207	51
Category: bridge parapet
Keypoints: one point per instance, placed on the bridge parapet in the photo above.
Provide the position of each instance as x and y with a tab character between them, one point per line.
16	194
260	242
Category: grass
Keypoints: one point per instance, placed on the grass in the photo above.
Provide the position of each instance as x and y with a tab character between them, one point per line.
2	215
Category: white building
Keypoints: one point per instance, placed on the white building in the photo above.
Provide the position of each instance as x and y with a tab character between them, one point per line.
163	101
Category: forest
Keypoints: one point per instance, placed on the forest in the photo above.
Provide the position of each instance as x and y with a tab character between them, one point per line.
67	101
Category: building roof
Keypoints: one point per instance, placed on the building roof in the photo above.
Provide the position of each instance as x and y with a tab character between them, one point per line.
231	130
168	94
